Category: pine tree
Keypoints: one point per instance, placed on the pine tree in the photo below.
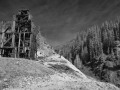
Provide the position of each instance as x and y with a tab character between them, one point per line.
78	62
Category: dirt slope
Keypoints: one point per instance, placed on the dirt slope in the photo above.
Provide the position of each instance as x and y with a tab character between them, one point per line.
51	73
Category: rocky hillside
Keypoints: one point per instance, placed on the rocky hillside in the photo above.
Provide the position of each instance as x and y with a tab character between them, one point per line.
52	73
43	48
96	51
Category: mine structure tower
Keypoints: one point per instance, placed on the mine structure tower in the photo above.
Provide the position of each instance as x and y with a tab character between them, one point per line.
17	38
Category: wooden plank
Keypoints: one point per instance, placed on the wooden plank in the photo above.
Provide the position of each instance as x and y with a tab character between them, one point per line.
6	47
7	29
15	52
19	44
3	36
24	42
30	46
13	38
16	32
7	40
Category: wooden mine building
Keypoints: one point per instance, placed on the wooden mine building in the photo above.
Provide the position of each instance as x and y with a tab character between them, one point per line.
17	38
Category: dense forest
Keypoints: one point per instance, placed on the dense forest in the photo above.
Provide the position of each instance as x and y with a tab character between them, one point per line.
98	50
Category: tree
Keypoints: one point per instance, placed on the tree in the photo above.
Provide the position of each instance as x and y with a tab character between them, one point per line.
78	62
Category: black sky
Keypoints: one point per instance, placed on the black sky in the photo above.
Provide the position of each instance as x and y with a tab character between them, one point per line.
60	20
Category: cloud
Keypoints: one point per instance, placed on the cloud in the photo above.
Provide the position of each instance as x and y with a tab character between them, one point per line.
60	20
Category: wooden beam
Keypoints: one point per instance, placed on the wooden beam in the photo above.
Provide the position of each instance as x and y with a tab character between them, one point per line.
7	29
16	32
30	46
7	40
3	35
13	38
24	42
6	47
19	44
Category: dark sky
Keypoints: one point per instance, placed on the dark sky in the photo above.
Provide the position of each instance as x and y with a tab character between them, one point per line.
60	20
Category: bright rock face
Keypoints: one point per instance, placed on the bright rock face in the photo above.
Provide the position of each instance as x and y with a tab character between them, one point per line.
43	48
